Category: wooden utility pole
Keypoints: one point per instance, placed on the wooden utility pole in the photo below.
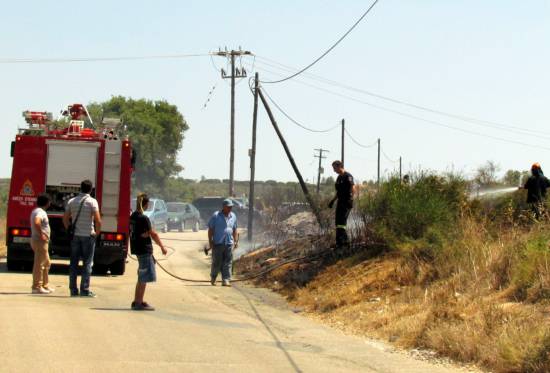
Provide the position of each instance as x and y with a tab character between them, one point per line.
312	203
253	160
378	173
400	168
343	136
320	169
235	73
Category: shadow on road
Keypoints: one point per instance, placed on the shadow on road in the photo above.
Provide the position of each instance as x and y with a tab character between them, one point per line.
55	269
276	339
112	309
28	293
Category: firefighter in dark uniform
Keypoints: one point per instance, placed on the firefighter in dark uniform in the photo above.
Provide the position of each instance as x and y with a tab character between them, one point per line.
345	190
536	187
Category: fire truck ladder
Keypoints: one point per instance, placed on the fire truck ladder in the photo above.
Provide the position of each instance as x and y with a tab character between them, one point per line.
111	185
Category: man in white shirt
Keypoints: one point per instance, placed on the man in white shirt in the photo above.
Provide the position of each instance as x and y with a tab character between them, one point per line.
40	237
83	212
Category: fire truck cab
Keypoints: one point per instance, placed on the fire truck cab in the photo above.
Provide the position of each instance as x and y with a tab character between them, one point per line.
56	161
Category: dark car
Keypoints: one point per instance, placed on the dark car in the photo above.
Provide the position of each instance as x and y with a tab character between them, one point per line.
183	215
207	206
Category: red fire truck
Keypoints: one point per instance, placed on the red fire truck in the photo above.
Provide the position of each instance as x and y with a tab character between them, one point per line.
55	161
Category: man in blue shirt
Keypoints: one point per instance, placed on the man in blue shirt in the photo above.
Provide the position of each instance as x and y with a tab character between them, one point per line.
222	237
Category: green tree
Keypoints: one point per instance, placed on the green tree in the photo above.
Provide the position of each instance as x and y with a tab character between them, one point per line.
512	177
486	175
156	130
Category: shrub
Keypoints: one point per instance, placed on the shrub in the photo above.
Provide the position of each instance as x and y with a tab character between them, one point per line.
418	217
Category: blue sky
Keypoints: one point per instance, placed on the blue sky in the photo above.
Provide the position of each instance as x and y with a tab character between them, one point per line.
483	59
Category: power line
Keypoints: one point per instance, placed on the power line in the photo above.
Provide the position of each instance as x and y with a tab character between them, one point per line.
433	122
357	142
387	157
97	59
328	50
209	96
485	123
295	121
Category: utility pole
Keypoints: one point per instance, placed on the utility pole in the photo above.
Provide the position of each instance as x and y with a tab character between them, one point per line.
320	169
253	160
312	204
400	168
235	73
343	135
378	177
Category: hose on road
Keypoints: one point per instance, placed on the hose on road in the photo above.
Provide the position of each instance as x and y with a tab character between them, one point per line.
306	258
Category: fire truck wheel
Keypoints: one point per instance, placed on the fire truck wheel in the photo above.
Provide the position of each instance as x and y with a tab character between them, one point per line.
118	267
196	227
99	269
182	227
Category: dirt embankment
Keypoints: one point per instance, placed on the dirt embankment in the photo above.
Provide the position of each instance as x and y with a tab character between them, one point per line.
379	296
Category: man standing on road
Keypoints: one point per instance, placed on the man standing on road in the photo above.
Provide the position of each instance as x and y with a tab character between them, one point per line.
222	238
82	213
40	236
345	190
536	186
141	245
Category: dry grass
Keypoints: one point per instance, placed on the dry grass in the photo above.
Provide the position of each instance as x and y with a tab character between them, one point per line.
484	300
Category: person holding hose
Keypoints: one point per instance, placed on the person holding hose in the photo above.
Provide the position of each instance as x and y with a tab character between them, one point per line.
345	191
222	238
141	245
536	186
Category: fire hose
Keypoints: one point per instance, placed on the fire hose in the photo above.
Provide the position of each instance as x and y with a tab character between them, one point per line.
307	257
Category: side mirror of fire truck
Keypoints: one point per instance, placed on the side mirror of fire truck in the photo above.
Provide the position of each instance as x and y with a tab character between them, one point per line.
12	150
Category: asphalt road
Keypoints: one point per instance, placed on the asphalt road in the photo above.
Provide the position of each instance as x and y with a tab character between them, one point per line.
196	327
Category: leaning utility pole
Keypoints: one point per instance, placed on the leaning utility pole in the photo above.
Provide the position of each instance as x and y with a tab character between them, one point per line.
320	169
378	177
343	135
253	160
310	200
235	73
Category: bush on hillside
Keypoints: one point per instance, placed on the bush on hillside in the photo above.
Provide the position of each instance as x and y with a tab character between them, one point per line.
418	217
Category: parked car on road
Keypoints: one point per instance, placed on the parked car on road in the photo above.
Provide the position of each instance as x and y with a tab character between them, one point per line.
208	205
182	216
157	214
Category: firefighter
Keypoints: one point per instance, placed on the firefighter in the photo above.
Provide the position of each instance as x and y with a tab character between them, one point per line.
536	186
345	191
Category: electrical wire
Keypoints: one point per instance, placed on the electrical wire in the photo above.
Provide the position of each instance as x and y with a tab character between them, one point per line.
410	116
294	121
328	50
218	70
209	96
481	122
357	142
98	59
387	157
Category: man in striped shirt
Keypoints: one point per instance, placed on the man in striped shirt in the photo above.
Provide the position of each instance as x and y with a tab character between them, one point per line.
83	213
